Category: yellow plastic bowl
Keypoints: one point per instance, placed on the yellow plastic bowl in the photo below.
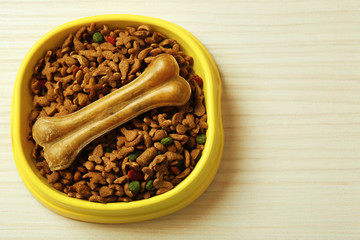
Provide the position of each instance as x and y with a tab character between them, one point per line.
182	195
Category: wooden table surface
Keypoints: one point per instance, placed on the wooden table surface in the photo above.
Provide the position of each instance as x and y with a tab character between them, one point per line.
291	112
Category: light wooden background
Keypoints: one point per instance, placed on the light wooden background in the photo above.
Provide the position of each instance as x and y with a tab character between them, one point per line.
291	113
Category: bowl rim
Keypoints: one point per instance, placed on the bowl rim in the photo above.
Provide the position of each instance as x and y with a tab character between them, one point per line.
156	206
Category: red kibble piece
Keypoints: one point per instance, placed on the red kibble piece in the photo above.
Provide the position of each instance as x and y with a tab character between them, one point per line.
111	40
42	82
135	175
199	80
75	71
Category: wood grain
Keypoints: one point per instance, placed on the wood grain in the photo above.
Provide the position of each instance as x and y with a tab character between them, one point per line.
291	114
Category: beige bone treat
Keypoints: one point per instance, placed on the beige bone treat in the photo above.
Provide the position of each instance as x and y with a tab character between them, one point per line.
63	137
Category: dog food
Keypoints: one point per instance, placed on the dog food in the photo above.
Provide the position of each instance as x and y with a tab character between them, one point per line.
144	157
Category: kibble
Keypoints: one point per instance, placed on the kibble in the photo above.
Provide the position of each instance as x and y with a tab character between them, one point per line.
98	37
134	186
201	138
149	185
167	141
132	156
161	146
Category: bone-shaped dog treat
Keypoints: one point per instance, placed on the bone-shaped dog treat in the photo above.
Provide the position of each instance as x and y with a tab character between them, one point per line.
63	137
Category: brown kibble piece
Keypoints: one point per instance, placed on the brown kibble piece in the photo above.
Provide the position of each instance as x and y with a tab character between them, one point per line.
84	62
106	191
82	99
127	191
179	147
171	156
139	124
119	190
40	101
159	146
162	190
159	134
97	153
163	122
135	67
92	28
189	121
106	46
184	173
199	108
124	165
66	174
144	53
182	138
77	176
136	141
99	168
162	184
177	119
89	165
95	179
157	160
147	156
202	123
124	151
33	115
96	198
194	154
50	110
187	158
80	32
58	186
35	86
53	178
148	173
130	135
152	124
67	41
121	140
181	129
134	165
48	71
121	180
69	60
78	45
147	139
124	68
82	189
110	165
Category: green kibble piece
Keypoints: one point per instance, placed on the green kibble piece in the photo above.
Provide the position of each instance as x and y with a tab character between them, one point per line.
134	186
201	138
149	185
97	37
108	150
167	141
133	156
